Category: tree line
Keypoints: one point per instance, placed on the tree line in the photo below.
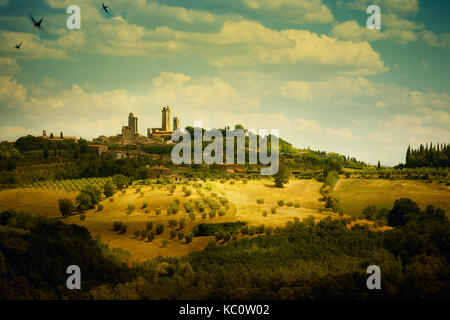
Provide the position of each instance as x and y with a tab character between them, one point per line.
436	156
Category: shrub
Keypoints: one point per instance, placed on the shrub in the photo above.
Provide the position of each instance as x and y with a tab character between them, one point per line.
180	235
149	225
138	189
130	208
200	205
121	182
150	236
222	212
109	189
142	194
290	204
173	208
172	223
144	234
264	213
82	216
281	203
123	228
212	214
111	199
187	193
93	192
158	211
164	242
159	228
227	236
232	182
188	207
297	205
83	201
192	216
173	234
66	206
137	233
188	237
203	216
260	201
116	225
146	211
273	210
182	223
245	181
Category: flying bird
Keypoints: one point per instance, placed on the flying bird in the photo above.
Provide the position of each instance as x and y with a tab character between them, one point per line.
18	46
36	23
105	8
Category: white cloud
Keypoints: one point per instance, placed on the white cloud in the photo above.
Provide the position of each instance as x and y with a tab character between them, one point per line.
400	32
12	94
343	90
414	129
299	11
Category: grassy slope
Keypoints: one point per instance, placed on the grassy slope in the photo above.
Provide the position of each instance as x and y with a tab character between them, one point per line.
356	194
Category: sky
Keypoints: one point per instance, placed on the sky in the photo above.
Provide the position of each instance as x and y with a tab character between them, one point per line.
310	68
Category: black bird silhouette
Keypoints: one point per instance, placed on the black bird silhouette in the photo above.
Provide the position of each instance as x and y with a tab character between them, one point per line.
105	7
36	23
18	46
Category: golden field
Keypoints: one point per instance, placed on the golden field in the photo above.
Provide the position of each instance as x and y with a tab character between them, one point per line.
355	195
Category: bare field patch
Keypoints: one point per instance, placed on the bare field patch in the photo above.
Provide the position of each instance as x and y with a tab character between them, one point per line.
41	202
356	194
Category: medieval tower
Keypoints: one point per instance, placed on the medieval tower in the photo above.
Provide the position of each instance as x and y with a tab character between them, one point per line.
133	124
176	123
165	119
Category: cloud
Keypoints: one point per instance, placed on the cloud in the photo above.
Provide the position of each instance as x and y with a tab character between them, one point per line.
414	129
360	91
11	133
398	30
8	66
436	40
205	93
298	11
12	93
33	48
304	47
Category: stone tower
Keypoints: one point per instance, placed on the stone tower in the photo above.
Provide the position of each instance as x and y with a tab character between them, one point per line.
133	124
165	119
176	123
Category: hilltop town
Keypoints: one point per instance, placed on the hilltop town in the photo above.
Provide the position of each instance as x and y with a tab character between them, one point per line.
155	136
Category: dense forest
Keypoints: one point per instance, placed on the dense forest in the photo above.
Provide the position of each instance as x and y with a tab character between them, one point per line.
303	260
436	156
